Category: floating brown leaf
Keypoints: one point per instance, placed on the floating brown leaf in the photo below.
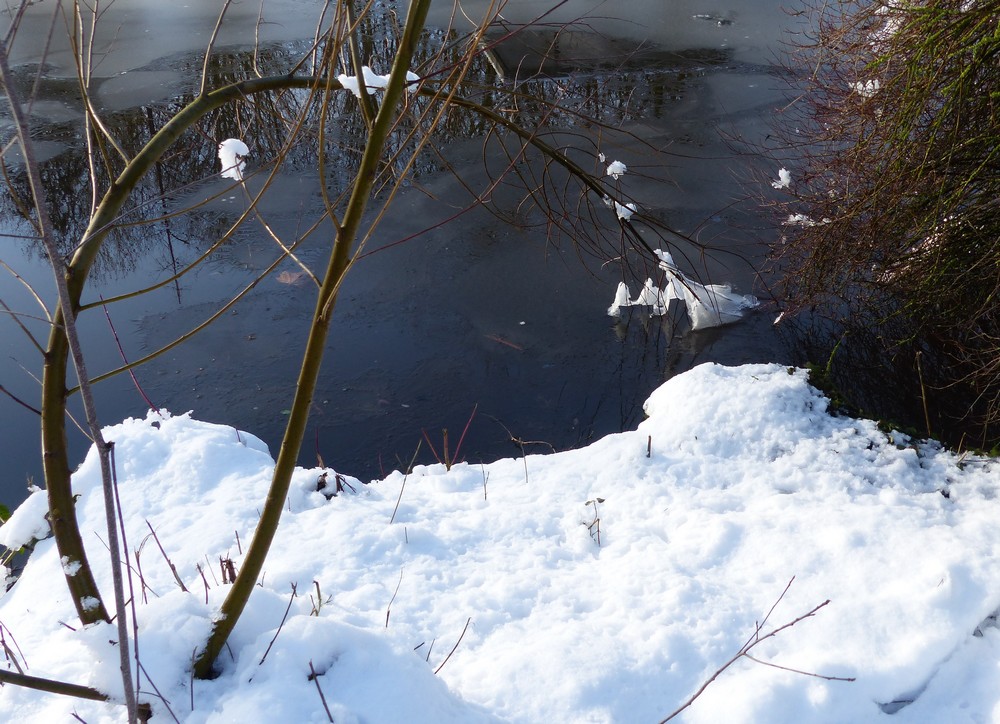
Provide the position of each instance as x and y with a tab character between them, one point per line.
290	277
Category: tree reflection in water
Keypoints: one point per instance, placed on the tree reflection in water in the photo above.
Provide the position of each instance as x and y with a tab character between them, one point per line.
601	95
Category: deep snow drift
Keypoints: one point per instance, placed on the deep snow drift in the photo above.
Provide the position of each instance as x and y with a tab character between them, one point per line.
737	482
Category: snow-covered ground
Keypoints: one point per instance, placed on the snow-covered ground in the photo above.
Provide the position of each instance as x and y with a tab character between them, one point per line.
738	482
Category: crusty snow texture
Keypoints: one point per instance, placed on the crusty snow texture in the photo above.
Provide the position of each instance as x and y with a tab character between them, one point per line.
737	482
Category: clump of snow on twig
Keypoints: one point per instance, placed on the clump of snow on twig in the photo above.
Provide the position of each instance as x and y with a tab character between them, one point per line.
866	88
803	220
617	169
232	153
784	179
373	81
624	211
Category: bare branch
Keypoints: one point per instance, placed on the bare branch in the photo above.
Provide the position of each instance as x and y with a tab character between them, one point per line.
756	638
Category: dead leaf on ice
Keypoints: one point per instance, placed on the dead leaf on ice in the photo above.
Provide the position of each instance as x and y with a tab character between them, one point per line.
290	277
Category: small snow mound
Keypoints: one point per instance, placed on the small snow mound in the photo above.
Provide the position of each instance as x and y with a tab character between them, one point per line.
28	523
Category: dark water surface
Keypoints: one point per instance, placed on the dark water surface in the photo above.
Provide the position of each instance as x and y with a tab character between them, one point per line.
474	314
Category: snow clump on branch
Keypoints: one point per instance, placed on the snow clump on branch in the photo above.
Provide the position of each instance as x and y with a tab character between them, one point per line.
784	179
617	169
232	153
624	211
373	81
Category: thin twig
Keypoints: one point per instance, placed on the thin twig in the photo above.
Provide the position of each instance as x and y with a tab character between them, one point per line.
58	267
194	655
403	486
315	677
9	653
754	639
441	665
19	401
173	568
389	607
203	580
128	568
211	43
799	671
131	372
283	619
461	438
138	567
158	694
431	446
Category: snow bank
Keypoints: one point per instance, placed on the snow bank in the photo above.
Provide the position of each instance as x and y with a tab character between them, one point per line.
28	522
738	480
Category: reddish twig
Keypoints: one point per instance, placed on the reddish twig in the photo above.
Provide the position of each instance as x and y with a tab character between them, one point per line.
315	678
280	625
434	451
756	638
9	653
501	340
461	438
131	372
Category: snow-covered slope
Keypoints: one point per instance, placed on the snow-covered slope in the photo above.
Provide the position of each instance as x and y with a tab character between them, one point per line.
738	482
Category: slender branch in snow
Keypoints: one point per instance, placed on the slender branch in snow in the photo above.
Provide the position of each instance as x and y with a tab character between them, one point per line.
90	604
453	648
173	568
799	671
158	694
755	639
280	625
315	679
400	497
389	607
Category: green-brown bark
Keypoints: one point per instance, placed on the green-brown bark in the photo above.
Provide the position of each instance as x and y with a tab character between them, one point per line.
55	460
346	234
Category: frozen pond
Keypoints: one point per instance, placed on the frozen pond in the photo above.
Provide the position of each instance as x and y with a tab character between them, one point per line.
472	314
